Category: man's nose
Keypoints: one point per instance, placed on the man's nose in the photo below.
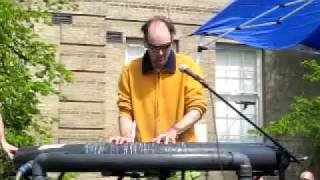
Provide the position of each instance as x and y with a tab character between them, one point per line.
161	52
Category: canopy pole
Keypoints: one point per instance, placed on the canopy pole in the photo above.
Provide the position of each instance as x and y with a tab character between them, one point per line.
246	24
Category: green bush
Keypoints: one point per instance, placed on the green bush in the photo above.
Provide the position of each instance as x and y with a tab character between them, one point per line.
28	69
303	120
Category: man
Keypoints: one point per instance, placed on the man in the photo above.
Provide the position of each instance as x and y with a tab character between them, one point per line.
163	102
8	148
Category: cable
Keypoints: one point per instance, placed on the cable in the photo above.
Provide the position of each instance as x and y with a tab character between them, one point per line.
24	169
60	177
217	138
18	176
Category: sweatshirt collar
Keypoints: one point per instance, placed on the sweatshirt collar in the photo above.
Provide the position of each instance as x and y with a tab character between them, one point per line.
169	67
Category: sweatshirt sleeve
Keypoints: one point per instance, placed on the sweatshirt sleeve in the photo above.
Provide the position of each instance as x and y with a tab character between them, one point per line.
124	95
194	95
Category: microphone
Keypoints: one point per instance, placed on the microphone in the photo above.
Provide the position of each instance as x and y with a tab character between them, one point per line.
185	69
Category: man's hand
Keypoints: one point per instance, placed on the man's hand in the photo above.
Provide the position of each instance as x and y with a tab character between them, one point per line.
188	120
9	149
121	140
166	138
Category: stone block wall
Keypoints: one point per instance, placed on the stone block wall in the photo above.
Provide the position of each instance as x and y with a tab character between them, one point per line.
89	104
88	111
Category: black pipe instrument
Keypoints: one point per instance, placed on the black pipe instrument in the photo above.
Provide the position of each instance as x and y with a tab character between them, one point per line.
263	159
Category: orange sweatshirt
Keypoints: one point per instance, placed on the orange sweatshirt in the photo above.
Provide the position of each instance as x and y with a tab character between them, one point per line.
158	100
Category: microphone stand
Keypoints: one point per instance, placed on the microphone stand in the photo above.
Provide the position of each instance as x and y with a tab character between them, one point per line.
281	148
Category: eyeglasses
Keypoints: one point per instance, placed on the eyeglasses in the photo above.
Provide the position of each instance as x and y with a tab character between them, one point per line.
163	47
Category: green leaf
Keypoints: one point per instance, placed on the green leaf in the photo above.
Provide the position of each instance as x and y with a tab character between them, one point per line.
28	69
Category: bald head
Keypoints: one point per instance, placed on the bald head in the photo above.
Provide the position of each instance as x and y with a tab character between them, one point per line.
155	20
158	34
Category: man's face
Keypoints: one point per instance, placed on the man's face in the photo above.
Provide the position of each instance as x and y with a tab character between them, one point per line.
158	44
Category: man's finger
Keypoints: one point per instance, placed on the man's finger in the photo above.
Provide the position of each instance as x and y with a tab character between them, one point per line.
113	140
123	140
10	155
173	140
167	140
157	139
119	139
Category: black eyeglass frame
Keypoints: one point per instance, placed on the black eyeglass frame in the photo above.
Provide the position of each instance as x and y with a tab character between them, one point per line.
154	47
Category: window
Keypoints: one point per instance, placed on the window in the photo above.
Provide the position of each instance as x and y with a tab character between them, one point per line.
238	80
135	49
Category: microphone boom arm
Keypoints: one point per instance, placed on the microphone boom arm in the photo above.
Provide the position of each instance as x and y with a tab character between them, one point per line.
186	70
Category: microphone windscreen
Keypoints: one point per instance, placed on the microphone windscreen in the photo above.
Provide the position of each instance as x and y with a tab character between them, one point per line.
183	67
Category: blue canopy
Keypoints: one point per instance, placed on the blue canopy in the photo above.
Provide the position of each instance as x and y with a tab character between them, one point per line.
268	24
